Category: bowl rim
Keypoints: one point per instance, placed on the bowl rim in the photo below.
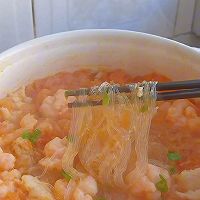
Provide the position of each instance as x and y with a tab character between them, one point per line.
94	32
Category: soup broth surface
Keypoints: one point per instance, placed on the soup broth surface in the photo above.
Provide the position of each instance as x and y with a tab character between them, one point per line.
34	133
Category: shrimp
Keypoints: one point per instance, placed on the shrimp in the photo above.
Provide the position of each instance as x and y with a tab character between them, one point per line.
7	161
54	151
10	175
146	184
182	113
6	114
59	189
190	195
83	189
51	163
52	105
86	189
10	118
80	195
6	188
7	178
19	98
28	121
56	105
36	188
22	146
23	150
55	145
21	104
7	182
188	184
7	139
6	127
88	185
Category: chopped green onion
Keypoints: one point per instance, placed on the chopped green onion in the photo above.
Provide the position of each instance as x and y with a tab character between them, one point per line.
67	175
144	108
106	99
35	135
32	137
26	135
162	184
173	156
70	138
172	170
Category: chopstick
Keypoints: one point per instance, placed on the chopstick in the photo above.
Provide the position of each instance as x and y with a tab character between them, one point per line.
183	94
176	85
180	94
183	90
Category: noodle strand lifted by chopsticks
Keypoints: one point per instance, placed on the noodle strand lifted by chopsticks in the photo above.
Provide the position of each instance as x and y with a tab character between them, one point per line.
107	136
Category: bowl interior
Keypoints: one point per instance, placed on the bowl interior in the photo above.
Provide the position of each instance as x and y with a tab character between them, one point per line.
137	53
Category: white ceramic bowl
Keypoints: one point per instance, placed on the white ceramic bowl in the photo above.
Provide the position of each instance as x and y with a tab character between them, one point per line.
137	53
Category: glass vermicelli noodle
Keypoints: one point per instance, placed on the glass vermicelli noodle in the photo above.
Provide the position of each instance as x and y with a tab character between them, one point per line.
104	140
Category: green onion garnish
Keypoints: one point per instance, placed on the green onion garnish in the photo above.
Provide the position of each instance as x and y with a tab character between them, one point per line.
174	156
32	136
67	175
26	135
144	108
70	138
172	170
106	99
162	184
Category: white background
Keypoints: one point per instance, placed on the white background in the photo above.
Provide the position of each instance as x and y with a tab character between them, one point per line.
22	20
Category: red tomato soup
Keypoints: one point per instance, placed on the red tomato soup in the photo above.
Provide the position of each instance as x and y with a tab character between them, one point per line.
35	126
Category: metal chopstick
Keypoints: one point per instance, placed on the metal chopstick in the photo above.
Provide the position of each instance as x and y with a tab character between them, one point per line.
181	94
182	90
176	85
